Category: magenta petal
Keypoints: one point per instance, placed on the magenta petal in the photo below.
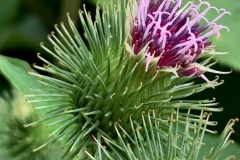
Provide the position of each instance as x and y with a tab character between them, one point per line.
174	36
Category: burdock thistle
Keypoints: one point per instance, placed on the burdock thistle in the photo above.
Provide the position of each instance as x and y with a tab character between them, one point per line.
118	92
171	36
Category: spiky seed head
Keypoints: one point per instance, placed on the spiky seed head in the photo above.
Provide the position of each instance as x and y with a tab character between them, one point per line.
101	91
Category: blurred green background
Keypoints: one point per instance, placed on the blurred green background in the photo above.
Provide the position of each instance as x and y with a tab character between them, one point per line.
26	23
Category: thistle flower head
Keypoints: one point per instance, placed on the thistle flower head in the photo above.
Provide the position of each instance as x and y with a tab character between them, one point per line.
172	36
104	102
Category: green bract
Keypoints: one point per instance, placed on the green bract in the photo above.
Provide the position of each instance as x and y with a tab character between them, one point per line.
105	106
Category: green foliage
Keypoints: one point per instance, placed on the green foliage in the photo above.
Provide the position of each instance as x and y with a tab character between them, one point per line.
16	71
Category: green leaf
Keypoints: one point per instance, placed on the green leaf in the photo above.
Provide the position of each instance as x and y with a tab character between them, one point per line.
16	72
